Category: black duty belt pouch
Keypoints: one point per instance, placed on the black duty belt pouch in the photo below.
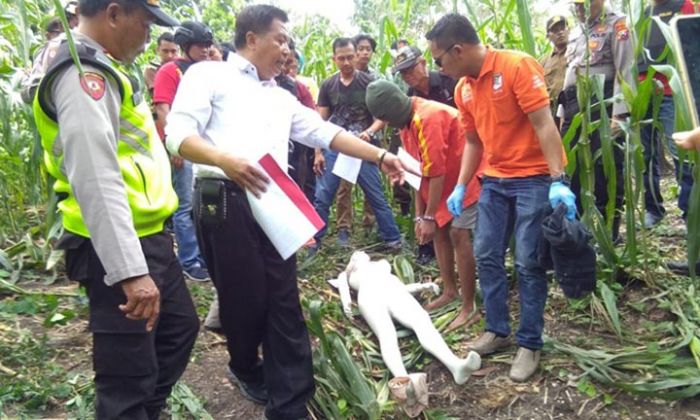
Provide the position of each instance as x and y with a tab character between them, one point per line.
212	201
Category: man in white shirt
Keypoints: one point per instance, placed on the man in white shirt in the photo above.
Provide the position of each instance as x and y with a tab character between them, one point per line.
227	115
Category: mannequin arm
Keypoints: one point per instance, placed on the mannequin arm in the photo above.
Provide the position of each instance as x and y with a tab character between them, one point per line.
341	283
414	288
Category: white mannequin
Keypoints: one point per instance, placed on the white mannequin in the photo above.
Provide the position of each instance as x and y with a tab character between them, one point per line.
381	296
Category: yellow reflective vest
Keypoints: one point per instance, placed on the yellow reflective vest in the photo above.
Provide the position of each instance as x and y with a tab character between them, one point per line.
144	164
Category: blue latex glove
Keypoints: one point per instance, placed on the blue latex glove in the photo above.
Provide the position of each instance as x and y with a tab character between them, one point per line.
560	193
455	200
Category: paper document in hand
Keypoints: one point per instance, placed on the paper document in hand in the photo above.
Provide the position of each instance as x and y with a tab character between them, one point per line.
283	212
411	162
347	167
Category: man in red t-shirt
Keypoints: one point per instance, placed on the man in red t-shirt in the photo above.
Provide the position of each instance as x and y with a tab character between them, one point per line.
431	132
194	39
504	105
166	50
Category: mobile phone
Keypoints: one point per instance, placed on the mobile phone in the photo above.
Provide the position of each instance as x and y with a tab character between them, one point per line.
686	34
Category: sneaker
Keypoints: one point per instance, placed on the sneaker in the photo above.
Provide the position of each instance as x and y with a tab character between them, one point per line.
393	246
343	238
524	365
651	220
196	273
254	392
489	343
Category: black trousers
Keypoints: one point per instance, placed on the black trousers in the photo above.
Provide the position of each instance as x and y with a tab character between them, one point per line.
301	168
600	186
134	369
258	299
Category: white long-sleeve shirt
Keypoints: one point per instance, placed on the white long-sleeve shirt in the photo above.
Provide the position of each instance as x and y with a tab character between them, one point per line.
228	105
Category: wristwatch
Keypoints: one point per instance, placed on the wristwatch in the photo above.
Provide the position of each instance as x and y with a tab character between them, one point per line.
563	178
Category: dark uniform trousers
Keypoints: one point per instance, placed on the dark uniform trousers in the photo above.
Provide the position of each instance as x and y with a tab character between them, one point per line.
258	299
135	370
571	108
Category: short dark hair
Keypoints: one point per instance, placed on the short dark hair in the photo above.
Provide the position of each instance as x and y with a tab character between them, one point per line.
166	37
364	37
453	29
90	8
54	25
257	19
226	49
342	42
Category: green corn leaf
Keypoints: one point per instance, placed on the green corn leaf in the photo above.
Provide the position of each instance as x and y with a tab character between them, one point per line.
695	350
609	300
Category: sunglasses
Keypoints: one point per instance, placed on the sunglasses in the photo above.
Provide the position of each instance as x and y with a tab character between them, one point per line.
438	60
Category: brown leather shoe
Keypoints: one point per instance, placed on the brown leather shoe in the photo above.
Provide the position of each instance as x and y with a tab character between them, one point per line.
489	343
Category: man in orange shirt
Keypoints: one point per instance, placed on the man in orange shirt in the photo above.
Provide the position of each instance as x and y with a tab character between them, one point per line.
504	105
431	133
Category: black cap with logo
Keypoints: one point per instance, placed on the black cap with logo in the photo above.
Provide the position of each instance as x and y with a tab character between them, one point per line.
406	57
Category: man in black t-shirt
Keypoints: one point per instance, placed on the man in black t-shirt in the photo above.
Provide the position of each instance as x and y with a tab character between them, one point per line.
341	101
432	85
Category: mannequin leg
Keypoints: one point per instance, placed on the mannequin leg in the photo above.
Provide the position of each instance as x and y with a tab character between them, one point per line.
379	320
408	312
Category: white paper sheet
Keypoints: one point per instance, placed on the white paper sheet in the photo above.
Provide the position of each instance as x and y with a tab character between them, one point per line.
411	162
347	167
283	212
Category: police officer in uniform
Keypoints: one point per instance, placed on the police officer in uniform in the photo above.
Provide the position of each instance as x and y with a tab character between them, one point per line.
602	41
555	63
113	177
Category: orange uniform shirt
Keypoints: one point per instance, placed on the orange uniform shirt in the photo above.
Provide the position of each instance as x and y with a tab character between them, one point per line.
436	139
495	105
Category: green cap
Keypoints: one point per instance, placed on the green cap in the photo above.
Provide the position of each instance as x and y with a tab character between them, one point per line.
386	102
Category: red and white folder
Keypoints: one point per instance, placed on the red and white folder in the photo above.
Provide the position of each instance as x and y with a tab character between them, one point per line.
283	211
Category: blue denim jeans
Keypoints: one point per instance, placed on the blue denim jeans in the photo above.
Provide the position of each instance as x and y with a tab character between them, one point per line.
370	181
187	249
508	205
653	140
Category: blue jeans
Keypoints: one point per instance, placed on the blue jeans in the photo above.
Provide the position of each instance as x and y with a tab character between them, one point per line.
370	181
652	140
187	249
508	205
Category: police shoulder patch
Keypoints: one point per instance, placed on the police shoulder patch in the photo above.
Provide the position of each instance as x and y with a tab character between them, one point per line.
621	31
93	84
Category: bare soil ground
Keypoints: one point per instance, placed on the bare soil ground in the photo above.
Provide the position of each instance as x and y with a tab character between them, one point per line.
551	394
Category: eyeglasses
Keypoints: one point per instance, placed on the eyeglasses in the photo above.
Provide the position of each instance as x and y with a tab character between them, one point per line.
438	60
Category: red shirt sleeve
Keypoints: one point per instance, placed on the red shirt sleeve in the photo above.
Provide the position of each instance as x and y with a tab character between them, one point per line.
166	83
529	86
304	96
688	8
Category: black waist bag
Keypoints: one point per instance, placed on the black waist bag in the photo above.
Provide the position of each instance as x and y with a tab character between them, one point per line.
565	248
